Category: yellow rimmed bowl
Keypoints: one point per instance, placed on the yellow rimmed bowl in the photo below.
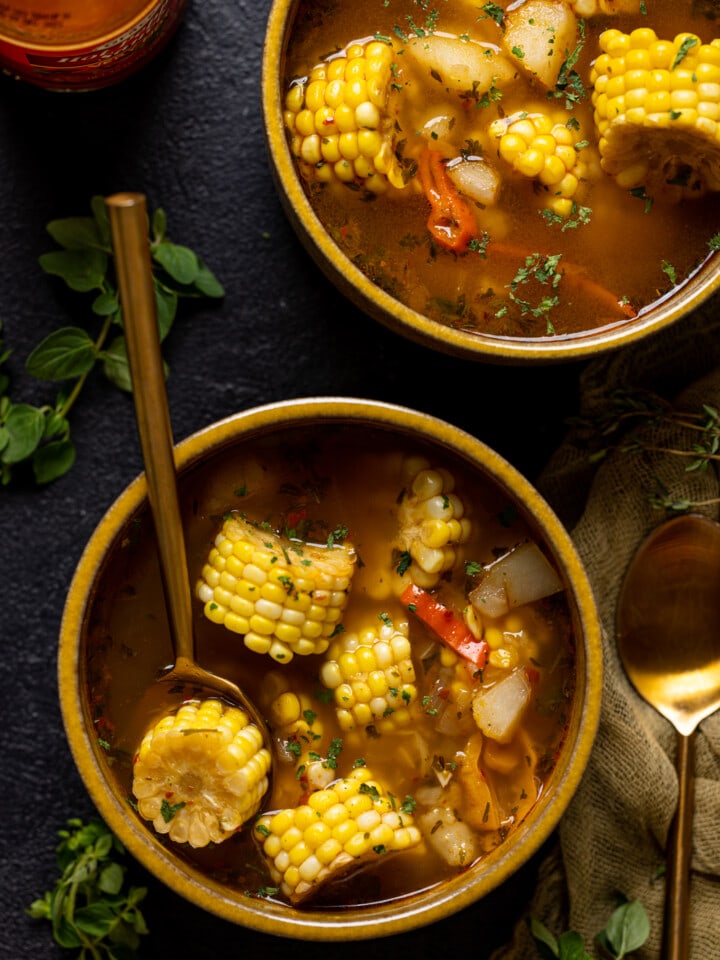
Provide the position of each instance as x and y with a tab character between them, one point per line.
358	288
111	602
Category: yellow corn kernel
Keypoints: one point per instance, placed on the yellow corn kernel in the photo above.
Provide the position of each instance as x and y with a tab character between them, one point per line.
342	828
284	599
201	772
372	677
348	96
662	133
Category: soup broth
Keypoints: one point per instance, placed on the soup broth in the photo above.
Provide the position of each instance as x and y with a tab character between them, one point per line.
467	791
521	269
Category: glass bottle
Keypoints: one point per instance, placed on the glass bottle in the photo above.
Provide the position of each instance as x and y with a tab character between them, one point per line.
83	44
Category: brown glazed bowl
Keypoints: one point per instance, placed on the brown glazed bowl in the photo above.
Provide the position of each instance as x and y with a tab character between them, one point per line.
404	320
109	602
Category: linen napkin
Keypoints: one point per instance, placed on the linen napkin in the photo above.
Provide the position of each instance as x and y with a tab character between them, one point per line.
611	841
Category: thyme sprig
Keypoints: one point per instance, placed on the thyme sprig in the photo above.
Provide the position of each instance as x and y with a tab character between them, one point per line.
631	421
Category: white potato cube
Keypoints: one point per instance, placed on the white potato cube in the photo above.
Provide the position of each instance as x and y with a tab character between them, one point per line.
460	65
476	179
499	710
539	35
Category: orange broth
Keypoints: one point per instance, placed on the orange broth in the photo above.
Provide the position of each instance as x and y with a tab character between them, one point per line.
341	476
620	252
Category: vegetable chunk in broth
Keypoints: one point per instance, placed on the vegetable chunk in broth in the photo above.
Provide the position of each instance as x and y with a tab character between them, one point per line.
533	169
419	723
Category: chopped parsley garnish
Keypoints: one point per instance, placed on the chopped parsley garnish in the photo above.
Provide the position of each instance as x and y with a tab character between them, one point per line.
493	12
685	47
168	810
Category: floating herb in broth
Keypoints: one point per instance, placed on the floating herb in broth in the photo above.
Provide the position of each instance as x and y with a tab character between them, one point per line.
437	750
453	152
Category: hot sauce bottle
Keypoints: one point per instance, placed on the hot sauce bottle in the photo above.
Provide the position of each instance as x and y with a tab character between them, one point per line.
83	44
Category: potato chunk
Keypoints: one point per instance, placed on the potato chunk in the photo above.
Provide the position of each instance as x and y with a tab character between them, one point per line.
461	65
538	37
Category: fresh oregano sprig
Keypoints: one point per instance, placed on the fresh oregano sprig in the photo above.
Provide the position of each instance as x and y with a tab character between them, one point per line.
91	909
40	435
627	929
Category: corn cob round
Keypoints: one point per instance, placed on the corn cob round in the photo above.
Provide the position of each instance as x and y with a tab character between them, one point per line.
372	677
432	524
201	773
284	597
544	147
347	825
657	112
339	121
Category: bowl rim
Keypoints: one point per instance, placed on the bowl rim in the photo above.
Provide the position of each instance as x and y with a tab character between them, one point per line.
379	305
265	916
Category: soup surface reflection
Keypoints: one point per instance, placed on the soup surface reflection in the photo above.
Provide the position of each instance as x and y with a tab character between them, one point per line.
467	783
485	166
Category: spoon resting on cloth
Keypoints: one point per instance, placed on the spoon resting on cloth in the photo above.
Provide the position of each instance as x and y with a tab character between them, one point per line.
129	227
668	637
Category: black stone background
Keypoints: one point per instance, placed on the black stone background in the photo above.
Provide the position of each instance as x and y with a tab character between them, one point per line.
187	131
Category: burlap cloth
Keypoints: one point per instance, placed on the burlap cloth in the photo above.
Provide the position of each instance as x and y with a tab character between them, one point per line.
611	840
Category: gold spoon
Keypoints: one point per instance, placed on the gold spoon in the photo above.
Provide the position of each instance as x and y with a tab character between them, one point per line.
129	227
668	635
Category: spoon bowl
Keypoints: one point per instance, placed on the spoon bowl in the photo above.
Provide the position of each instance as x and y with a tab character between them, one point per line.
127	213
669	620
668	633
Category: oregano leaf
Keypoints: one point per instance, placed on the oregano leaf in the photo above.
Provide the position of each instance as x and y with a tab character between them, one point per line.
179	262
53	460
24	425
75	233
65	353
207	283
82	270
106	304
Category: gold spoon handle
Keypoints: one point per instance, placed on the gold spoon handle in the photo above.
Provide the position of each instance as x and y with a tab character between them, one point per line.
677	914
129	227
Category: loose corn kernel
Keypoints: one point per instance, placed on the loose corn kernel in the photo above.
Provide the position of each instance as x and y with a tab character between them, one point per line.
348	95
283	597
432	524
372	677
201	772
353	823
656	117
543	147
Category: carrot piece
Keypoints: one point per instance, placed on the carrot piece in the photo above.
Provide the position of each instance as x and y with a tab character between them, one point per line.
451	221
445	624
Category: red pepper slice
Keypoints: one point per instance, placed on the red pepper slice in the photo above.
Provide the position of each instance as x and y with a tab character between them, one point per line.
451	221
446	624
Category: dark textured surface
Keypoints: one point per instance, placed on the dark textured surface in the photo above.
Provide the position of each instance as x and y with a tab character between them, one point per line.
188	133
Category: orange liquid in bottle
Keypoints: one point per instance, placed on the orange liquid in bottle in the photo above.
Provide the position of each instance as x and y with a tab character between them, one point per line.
83	44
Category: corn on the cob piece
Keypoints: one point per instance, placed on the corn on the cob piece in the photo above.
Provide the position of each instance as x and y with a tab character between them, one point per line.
284	597
546	148
349	824
338	119
657	112
432	524
201	773
372	677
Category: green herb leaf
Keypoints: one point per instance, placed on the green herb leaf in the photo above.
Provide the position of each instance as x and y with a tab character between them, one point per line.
53	460
76	233
180	262
24	426
628	928
82	270
66	353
